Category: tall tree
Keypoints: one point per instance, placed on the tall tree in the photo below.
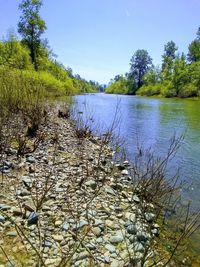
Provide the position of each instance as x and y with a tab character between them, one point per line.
169	54
31	27
194	49
140	63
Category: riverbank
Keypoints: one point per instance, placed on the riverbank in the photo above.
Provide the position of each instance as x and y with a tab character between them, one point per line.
67	203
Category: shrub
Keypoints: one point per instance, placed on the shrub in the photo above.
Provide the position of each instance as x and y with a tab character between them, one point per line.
188	90
149	90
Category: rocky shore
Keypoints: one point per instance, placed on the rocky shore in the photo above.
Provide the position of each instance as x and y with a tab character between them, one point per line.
69	204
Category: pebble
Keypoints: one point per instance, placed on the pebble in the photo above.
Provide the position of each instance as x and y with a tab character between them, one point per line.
4	207
132	229
58	223
110	248
33	218
2	218
150	217
116	239
96	231
124	172
57	238
65	226
69	207
30	159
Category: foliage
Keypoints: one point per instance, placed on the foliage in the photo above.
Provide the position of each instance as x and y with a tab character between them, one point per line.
169	55
122	85
31	27
13	54
176	78
194	49
140	64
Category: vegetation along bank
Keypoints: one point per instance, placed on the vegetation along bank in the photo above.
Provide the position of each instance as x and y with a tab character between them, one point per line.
178	76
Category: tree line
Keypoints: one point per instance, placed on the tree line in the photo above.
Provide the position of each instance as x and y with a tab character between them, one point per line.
178	75
33	56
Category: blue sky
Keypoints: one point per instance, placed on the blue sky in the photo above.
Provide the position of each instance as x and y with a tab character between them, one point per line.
98	37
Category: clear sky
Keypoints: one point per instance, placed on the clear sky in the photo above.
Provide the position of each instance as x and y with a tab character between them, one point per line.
97	38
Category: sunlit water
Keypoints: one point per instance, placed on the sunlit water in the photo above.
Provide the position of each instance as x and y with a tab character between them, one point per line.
153	121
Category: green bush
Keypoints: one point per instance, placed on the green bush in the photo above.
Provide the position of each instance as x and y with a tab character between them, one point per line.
149	90
119	87
189	90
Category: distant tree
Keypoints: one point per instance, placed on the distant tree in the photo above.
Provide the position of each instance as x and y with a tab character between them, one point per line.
31	27
140	63
117	78
194	48
169	55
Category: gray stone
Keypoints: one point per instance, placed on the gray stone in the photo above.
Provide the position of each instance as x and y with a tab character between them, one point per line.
80	225
132	238
91	246
47	244
91	213
4	207
30	159
82	255
131	229
98	222
131	217
8	163
60	190
65	226
11	234
155	231
96	231
124	172
104	259
150	217
136	198
33	218
92	184
116	239
138	247
2	219
110	248
109	190
142	237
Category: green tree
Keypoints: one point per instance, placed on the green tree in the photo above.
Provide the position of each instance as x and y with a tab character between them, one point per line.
152	76
169	55
194	48
140	63
31	27
179	75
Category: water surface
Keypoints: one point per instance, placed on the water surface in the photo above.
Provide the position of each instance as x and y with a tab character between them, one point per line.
153	121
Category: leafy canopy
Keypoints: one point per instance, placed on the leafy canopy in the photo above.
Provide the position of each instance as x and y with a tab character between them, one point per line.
31	27
140	64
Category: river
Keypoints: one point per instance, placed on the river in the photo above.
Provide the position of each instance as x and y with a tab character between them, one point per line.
153	121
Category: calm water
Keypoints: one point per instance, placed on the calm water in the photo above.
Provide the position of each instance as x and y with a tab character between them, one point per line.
153	121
